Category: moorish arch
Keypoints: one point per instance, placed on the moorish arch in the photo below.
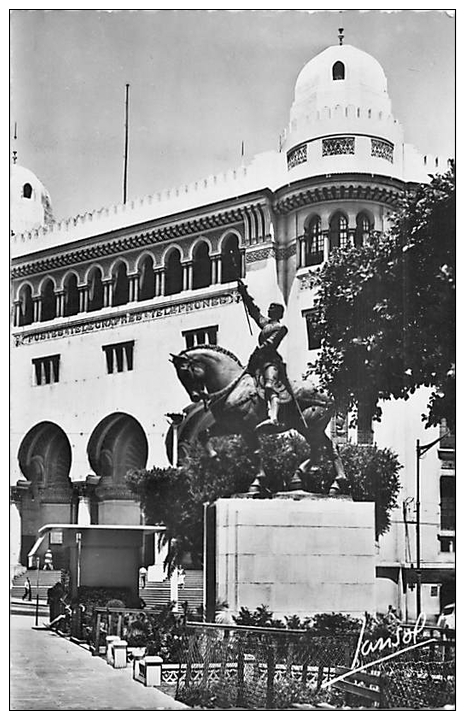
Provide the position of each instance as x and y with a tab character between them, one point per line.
117	445
44	458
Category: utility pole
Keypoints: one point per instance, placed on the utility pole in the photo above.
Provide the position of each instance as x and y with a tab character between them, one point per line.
417	527
420	450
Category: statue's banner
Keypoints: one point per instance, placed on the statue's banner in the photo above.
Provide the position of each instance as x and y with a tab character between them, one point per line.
83	326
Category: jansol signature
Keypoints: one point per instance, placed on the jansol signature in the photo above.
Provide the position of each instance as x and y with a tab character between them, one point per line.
403	640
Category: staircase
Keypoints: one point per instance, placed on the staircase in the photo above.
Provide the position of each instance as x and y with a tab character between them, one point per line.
158	594
47	579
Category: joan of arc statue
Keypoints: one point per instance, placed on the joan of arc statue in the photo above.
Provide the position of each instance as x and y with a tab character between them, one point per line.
266	364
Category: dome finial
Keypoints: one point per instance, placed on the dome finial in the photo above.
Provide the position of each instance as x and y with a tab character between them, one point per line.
341	35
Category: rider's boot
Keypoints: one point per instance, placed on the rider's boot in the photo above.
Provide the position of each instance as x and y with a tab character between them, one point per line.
273	411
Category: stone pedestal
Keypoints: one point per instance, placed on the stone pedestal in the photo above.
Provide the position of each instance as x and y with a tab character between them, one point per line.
298	553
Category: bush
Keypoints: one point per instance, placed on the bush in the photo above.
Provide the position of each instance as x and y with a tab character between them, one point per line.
254	695
197	696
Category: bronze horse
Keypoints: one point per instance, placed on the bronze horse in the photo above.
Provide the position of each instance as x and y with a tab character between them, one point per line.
215	376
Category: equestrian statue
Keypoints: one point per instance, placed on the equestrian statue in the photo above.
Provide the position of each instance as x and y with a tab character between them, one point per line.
259	398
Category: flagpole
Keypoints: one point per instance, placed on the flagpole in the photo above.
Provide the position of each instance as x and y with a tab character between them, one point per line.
126	134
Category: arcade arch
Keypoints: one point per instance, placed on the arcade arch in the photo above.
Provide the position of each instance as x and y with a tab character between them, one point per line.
117	445
44	456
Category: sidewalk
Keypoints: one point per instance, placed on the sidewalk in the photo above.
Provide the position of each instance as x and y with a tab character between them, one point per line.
49	672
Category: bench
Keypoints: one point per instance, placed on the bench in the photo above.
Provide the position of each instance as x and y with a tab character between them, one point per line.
362	684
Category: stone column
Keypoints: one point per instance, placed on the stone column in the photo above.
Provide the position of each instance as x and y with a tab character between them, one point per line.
157	283
17	313
108	292
325	245
185	277
60	297
302	244
217	264
83	298
162	282
82	501
37	302
134	287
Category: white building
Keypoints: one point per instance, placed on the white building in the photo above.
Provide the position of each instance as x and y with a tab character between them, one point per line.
101	300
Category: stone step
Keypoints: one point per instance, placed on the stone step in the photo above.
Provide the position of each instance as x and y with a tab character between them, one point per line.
47	579
159	593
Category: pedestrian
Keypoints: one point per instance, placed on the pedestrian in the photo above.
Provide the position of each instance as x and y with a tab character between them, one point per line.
142	576
27	590
48	560
54	595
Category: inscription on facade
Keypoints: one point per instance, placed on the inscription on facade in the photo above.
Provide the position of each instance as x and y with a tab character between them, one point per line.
123	319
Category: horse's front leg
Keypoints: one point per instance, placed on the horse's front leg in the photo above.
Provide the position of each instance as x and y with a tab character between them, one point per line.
340	482
258	488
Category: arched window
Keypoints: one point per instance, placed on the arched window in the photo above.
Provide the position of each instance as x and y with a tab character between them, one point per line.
26	310
121	285
362	229
49	302
173	282
338	231
27	190
338	71
95	290
71	296
202	268
146	279
313	253
231	260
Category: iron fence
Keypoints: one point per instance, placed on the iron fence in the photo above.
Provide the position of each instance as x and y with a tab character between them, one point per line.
254	668
224	666
251	667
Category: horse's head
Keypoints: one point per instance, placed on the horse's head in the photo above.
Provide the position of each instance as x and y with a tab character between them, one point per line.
191	373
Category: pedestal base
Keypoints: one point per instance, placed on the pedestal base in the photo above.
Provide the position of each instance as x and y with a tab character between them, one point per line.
298	553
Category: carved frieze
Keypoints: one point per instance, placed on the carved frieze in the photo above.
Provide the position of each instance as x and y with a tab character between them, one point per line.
123	244
259	254
286	252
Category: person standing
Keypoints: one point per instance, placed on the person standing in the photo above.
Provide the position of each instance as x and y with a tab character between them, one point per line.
27	590
142	576
48	560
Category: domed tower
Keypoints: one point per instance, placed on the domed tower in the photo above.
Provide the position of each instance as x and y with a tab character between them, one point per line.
341	120
30	204
347	172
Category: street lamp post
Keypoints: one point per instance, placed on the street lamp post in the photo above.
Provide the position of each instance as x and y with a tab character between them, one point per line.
37	589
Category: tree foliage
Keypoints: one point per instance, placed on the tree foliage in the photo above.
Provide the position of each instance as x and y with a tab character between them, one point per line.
388	310
175	497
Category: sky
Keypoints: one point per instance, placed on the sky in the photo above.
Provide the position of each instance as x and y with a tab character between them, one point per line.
201	83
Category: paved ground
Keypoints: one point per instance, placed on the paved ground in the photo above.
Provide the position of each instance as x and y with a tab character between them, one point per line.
49	672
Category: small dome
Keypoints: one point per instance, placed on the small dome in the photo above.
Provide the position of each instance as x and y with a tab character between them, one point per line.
339	65
30	202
